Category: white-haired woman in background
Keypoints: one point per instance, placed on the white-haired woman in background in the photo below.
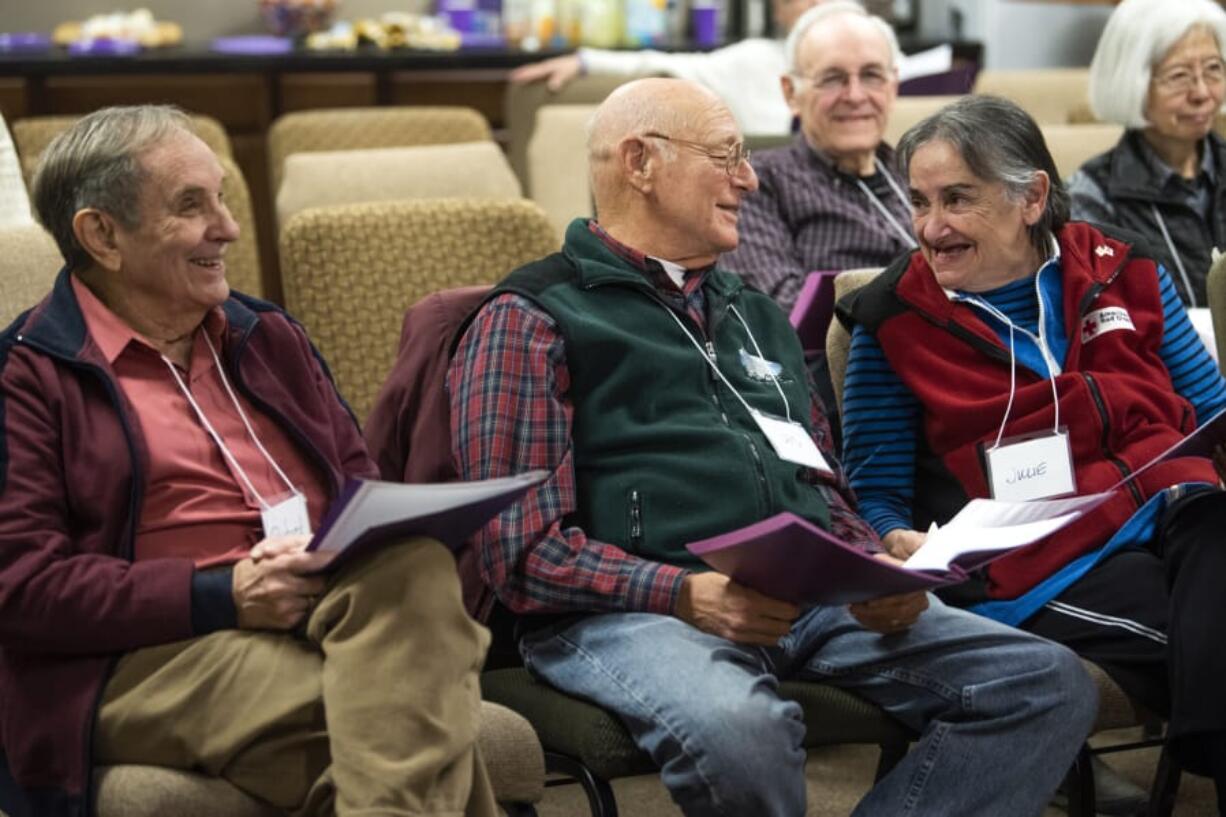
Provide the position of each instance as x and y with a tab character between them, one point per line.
1158	71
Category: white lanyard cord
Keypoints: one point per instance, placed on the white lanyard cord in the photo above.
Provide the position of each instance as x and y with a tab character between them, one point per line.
208	427
710	362
221	372
787	412
1187	284
906	236
1047	359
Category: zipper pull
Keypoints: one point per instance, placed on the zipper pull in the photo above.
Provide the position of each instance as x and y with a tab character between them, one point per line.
636	519
710	351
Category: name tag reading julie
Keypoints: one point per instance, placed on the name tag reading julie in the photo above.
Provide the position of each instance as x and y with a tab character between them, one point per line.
791	441
1032	468
286	517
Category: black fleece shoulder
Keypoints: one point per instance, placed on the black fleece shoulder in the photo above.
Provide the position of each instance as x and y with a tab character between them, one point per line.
875	302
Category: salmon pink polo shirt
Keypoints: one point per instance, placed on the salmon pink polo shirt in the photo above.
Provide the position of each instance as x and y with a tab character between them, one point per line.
196	506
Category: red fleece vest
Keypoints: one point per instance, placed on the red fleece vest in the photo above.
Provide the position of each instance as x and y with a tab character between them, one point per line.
1116	396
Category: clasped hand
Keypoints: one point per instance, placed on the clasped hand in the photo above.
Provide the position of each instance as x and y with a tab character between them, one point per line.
716	604
274	588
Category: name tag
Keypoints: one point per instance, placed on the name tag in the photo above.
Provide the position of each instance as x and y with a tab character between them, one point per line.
791	442
1036	468
287	517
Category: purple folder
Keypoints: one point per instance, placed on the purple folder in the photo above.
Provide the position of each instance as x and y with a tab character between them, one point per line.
788	558
368	513
813	310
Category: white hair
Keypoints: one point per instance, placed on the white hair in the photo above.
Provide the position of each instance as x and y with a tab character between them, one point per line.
823	12
1138	34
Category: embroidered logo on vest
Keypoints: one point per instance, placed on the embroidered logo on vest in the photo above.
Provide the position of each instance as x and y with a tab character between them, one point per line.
1103	249
1101	321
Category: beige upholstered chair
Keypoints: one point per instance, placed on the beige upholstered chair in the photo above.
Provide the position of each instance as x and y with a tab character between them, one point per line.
1051	95
509	747
523	101
327	178
557	163
351	128
351	271
1072	145
32	135
243	256
838	341
911	110
29	261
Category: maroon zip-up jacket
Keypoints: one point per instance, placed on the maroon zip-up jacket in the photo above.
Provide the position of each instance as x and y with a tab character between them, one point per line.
72	466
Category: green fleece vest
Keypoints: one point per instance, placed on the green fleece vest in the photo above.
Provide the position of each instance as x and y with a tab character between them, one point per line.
664	453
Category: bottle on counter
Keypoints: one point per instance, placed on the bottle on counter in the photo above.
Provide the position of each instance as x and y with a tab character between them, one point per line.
646	22
516	21
603	24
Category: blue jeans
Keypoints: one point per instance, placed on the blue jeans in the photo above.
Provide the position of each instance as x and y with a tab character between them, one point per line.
1000	713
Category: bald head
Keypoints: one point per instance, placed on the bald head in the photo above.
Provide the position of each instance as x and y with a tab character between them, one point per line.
662	105
668	170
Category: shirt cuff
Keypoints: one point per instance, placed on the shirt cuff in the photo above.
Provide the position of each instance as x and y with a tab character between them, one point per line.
213	601
654	588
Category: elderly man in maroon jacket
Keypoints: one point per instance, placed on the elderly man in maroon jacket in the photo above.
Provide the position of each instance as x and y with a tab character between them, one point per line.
165	448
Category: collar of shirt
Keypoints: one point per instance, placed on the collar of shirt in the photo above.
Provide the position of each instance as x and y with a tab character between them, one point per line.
113	336
881	155
1191	188
652	268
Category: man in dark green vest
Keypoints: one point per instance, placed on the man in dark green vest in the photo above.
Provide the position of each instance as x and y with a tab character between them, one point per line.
659	390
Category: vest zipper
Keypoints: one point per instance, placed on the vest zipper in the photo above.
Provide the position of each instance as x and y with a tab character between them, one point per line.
709	348
636	521
1124	470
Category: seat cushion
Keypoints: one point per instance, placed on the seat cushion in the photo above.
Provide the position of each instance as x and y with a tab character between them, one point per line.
595	737
152	791
509	747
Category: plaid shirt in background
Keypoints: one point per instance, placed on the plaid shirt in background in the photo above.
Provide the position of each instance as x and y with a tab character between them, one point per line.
808	216
510	413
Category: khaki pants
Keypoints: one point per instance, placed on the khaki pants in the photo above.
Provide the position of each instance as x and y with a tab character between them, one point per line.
376	707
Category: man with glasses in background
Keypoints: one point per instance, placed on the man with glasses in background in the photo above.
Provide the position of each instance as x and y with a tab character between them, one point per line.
831	200
648	380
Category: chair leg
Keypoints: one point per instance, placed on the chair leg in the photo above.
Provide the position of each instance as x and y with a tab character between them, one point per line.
1166	785
1080	785
599	792
891	754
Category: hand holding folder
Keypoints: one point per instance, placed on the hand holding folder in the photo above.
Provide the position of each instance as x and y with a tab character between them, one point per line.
369	513
791	559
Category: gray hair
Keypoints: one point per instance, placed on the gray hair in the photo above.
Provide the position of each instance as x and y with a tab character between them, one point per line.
999	142
824	12
1138	34
96	163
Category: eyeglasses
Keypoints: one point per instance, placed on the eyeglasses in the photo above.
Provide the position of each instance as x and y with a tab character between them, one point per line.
836	82
1182	78
731	158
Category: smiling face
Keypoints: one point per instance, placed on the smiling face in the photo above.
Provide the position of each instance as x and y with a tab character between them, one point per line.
173	260
1187	88
845	89
696	201
971	232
